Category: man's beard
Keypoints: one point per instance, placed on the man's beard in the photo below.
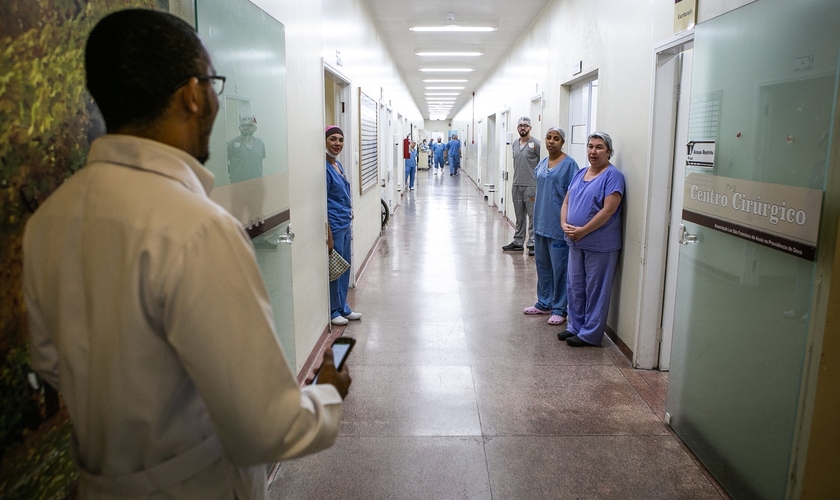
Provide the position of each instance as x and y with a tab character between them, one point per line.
205	127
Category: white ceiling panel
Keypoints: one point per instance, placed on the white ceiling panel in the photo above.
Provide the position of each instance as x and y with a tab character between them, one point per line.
395	16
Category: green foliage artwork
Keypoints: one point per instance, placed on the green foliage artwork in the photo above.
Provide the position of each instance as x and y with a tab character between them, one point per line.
47	122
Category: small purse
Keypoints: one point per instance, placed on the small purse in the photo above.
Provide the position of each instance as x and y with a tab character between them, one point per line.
338	265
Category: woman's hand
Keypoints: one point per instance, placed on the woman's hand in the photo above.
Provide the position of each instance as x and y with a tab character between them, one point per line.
330	243
574	233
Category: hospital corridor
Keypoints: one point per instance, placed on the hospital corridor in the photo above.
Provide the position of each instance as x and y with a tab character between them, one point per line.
586	249
457	394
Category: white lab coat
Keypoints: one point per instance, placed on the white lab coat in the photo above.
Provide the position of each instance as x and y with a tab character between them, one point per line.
148	313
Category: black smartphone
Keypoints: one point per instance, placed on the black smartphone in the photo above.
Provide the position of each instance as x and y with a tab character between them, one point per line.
341	348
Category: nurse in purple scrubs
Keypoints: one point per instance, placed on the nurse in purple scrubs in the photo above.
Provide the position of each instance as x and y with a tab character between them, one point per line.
591	221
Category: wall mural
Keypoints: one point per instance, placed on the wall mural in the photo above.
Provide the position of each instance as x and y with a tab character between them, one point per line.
47	122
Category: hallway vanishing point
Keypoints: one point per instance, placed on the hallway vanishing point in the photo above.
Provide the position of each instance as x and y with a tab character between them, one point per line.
458	395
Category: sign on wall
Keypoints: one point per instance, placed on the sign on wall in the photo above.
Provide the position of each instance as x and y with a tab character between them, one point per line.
700	154
685	14
785	218
368	145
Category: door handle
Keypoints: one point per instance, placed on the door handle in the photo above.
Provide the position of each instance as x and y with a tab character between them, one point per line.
687	238
289	237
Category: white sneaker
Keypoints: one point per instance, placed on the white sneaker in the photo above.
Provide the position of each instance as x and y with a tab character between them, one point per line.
339	320
354	316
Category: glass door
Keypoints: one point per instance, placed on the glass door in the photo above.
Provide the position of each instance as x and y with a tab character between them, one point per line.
248	152
763	90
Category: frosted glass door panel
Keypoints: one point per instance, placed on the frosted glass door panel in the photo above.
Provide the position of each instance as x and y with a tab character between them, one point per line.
275	259
763	90
248	146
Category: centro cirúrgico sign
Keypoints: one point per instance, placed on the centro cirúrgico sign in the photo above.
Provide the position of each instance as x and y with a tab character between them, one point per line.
785	218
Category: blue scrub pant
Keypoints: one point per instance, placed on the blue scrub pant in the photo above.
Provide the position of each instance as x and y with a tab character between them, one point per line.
454	164
338	288
410	172
590	278
439	162
551	257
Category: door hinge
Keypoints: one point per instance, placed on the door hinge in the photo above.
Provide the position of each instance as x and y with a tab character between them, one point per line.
342	107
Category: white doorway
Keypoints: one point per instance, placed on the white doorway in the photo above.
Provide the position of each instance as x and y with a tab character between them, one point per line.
536	116
666	179
489	163
504	154
583	109
337	112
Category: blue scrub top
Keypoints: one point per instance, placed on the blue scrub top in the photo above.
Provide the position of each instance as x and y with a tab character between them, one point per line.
411	161
586	198
339	199
552	185
438	148
454	147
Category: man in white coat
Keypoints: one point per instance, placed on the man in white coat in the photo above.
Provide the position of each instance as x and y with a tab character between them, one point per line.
147	309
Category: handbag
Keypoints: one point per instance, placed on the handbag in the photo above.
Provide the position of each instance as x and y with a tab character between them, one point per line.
338	265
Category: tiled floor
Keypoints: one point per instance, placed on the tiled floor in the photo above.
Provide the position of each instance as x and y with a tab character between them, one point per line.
457	394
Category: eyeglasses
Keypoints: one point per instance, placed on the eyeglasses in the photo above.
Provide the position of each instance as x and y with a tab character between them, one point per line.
218	82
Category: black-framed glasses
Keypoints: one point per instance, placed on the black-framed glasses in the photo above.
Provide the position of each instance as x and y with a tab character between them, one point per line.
218	82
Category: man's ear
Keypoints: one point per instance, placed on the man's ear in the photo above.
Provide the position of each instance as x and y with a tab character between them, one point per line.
188	97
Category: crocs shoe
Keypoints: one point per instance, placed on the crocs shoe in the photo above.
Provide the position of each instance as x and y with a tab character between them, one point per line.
533	310
339	321
556	319
354	316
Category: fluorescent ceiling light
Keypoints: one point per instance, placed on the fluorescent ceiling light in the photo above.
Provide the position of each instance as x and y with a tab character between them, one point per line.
440	99
447	70
468	27
444	88
443	93
429	53
445	81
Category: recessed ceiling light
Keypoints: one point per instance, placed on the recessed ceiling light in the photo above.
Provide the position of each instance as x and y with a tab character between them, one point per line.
440	99
443	93
445	81
444	88
447	70
426	53
468	27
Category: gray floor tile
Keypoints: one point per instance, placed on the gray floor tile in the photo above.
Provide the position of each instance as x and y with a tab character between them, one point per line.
411	401
560	400
401	343
597	467
386	468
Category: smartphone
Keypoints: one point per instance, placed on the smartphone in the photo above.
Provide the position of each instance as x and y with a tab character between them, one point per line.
341	348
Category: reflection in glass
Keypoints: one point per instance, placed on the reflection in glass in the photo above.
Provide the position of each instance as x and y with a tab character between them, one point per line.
245	153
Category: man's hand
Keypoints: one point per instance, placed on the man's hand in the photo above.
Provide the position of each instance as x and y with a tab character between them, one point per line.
327	374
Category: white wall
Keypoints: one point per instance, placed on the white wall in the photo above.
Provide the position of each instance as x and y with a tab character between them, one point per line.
315	30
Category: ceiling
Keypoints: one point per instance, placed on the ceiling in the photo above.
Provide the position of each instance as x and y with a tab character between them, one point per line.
394	17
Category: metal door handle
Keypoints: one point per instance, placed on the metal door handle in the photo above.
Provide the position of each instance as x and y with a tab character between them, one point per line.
687	238
289	237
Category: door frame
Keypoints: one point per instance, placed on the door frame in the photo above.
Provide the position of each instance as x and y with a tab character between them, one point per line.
661	143
343	93
505	172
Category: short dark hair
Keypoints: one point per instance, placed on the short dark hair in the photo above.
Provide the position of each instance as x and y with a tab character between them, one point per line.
135	59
